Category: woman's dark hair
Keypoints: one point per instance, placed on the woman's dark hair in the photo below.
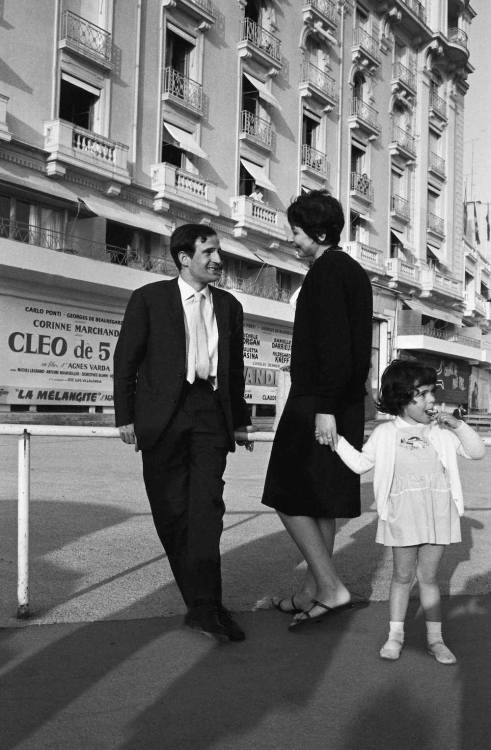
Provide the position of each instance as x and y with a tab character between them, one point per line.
318	214
399	383
184	238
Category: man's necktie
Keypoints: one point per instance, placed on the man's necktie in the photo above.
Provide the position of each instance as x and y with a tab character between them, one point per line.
198	342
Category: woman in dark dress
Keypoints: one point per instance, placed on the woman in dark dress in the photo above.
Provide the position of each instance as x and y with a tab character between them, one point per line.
306	482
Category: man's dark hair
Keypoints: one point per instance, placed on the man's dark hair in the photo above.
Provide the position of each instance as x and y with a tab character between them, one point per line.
399	384
184	238
318	214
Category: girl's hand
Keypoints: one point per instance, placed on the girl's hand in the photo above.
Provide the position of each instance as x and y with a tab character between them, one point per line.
445	419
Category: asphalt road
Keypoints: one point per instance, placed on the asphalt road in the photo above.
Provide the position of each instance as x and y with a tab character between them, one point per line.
104	662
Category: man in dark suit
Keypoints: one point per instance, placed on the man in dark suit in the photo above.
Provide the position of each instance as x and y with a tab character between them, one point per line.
179	397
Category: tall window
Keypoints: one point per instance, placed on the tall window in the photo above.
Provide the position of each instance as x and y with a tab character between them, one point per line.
310	132
78	102
178	54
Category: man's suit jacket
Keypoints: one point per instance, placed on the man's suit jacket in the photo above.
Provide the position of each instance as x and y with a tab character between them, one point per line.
150	360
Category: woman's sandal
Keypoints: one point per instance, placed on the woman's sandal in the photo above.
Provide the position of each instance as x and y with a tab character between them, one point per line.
294	610
314	619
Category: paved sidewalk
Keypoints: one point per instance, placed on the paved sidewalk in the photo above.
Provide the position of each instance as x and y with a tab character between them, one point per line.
104	663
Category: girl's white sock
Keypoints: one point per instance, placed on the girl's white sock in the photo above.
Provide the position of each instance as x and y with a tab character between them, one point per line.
433	632
396	631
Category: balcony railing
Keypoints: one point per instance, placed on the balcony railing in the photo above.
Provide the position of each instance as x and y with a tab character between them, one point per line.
260	38
458	36
247	286
407	76
315	160
438	105
402	270
404	139
253	214
371	258
86	38
69	144
184	90
417	8
400	207
171	182
256	128
317	77
366	42
364	112
437	163
438	333
325	8
361	185
436	224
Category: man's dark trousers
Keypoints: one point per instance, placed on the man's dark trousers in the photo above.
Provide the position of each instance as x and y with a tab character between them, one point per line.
183	478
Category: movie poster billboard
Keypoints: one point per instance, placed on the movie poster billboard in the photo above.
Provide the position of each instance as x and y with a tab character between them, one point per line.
267	348
56	354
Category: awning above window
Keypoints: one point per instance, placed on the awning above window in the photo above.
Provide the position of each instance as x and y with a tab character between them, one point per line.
281	260
258	175
264	93
433	312
36	181
436	252
185	140
237	248
398	235
127	213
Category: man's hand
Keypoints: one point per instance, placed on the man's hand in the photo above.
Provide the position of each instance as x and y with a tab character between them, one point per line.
239	437
127	434
325	430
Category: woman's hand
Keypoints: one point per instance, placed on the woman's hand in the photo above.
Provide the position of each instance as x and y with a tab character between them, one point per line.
325	430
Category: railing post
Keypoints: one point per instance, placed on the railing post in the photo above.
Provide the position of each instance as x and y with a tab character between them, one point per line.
24	460
282	391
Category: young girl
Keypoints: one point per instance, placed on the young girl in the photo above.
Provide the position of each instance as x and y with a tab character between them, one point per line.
417	492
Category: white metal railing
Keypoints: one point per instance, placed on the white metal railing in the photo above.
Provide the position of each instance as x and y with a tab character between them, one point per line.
315	160
24	433
183	89
260	38
257	128
86	37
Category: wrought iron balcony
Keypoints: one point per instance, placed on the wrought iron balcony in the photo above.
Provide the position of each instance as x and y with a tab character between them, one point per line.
438	105
315	160
86	38
325	10
400	208
361	186
176	184
67	143
437	164
417	8
318	83
436	224
458	36
260	41
365	116
183	90
404	75
404	140
365	48
256	129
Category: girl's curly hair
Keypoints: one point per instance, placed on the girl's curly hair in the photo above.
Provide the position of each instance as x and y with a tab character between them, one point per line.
399	383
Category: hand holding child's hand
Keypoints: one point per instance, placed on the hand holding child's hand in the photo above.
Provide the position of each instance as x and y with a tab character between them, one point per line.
445	419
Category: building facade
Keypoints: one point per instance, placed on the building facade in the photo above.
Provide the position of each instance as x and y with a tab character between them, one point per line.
129	118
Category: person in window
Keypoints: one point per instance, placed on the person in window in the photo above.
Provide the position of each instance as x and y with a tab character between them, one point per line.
257	194
306	481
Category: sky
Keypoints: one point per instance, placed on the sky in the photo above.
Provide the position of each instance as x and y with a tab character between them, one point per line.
477	122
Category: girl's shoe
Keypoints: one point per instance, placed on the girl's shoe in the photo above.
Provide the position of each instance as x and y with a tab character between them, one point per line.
441	653
391	649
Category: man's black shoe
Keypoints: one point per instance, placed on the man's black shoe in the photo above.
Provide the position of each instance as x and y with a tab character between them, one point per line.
206	620
234	632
